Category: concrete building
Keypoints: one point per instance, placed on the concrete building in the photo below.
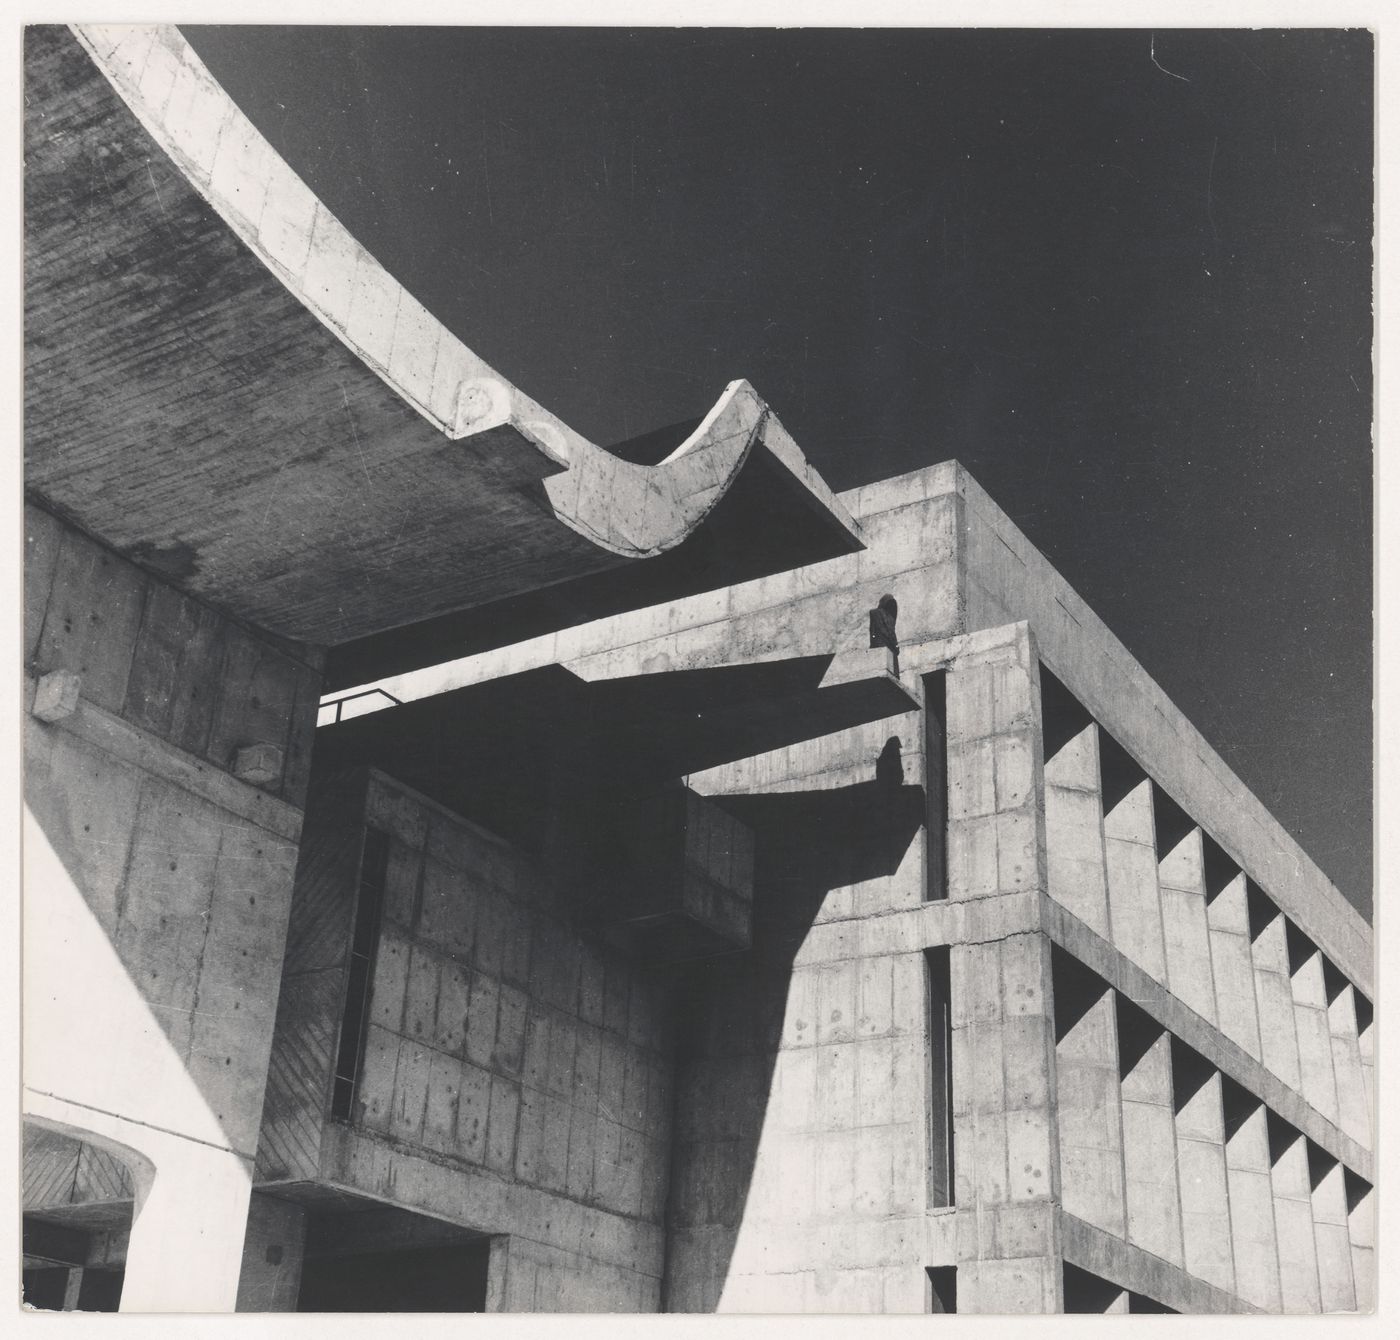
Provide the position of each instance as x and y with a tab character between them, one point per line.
468	869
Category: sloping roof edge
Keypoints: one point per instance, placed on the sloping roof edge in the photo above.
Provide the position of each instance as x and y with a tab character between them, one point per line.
631	510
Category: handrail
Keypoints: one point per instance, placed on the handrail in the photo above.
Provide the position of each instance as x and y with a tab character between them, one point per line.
338	703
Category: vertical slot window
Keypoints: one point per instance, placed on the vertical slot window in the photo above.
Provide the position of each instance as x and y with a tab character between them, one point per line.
936	786
940	1086
364	940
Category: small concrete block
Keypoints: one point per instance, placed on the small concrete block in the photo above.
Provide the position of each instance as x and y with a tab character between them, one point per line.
57	694
1026	1046
836	1002
1028	1154
473	1107
1011	697
1025	1230
530	1136
413	354
376	1093
970	710
578	1176
454	987
440	1115
410	1093
875	997
258	764
390	981
1014	770
482	1014
875	1082
988	1148
513	1012
288	218
158	77
972	779
586	1068
421	994
988	1079
373	310
836	1086
194	113
239	175
972	857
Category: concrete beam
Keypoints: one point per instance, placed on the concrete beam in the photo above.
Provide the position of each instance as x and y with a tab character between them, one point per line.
1232	1060
1140	1272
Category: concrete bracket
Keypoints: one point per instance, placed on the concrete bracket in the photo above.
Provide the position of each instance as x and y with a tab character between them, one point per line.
56	695
258	764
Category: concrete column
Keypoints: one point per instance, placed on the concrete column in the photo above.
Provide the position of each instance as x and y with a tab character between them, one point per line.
1006	1155
1006	1176
1293	1218
1149	1135
1329	1209
273	1250
1201	1174
497	1273
1254	1241
1181	877
1278	1031
996	825
1319	1086
1353	1110
1134	902
1074	841
185	1253
1227	917
1090	1111
1361	1230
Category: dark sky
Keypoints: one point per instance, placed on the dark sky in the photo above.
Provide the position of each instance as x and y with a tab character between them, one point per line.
1127	285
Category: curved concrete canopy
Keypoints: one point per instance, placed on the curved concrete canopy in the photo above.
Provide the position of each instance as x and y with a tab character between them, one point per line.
226	387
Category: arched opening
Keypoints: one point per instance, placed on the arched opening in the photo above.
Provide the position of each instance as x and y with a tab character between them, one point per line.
78	1199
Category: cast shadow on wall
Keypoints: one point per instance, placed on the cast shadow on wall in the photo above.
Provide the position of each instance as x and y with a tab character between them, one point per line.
731	1012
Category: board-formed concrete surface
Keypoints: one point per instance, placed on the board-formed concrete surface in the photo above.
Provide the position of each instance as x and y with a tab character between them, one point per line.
226	387
1123	925
639	923
1021	1017
157	887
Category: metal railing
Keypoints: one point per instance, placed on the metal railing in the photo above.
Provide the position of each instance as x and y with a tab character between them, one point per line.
339	703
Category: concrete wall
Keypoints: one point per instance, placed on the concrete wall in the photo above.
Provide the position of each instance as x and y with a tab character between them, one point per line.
1008	579
911	536
1123	1148
157	884
273	1250
1182	923
799	1180
516	1075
